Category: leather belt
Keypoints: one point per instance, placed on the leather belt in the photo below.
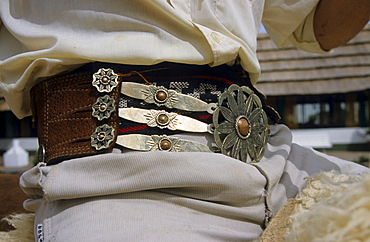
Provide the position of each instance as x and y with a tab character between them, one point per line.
86	112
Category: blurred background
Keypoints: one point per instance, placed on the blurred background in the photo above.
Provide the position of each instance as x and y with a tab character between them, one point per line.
325	98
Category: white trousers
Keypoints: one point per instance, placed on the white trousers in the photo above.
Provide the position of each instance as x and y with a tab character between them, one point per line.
163	196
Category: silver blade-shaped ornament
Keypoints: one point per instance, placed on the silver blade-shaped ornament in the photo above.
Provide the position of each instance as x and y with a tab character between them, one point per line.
143	142
162	96
163	119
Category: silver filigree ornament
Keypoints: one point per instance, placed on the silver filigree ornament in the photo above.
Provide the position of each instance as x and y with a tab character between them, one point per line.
105	80
102	137
164	143
243	134
161	96
103	107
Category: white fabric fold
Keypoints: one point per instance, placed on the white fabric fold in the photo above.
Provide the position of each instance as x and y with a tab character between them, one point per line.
163	196
40	39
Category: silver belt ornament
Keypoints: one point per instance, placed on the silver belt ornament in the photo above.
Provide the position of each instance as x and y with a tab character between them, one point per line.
163	119
239	123
143	142
162	96
244	133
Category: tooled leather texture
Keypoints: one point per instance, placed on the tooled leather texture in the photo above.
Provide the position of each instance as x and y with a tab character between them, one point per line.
63	116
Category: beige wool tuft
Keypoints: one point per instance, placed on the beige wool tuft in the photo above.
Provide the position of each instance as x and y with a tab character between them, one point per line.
23	224
332	207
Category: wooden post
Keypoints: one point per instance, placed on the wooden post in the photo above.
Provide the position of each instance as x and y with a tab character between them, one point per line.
350	110
338	115
290	116
324	115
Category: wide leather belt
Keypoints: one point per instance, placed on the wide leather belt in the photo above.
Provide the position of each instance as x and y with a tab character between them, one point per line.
101	105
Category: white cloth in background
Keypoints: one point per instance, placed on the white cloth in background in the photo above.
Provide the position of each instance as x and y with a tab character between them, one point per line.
39	38
164	196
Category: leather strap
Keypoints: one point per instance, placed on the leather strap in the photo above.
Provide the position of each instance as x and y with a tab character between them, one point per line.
63	116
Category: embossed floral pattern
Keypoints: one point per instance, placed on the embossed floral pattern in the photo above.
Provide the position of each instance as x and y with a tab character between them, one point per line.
105	80
164	143
161	119
161	96
102	137
243	134
103	107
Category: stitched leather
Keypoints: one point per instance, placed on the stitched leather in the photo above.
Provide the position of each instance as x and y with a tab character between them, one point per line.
63	115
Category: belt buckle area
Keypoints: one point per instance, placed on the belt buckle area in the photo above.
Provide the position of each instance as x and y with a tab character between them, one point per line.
234	114
239	122
244	133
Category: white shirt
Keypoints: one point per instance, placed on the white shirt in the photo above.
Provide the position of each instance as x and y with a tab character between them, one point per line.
39	38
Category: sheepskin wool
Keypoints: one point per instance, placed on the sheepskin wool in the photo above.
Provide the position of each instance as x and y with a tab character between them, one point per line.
23	224
332	207
279	225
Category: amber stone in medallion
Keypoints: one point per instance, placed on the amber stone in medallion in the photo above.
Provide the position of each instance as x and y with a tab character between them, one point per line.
165	144
243	127
161	96
162	119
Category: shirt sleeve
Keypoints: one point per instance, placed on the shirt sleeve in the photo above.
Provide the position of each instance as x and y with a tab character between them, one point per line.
290	23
